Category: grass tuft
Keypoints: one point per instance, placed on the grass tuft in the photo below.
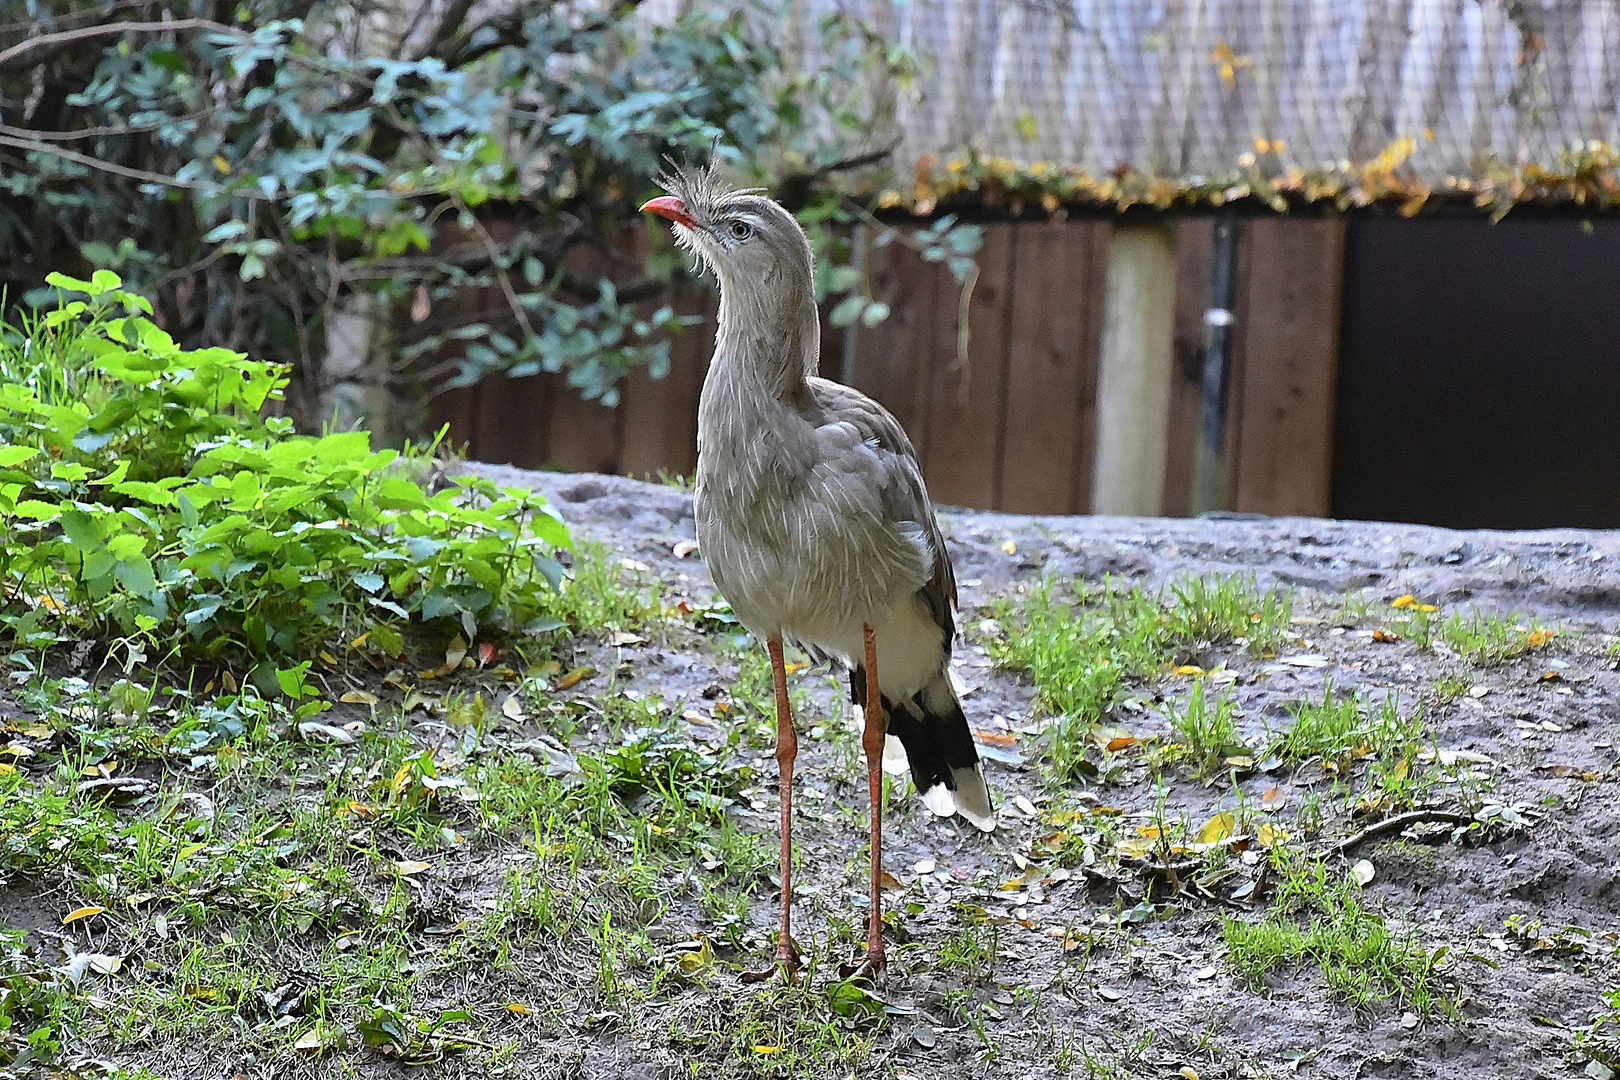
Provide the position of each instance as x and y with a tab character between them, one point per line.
1082	650
1319	917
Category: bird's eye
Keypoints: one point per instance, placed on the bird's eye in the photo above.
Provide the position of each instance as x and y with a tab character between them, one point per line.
740	231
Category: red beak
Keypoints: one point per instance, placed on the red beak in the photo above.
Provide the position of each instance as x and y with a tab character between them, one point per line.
668	206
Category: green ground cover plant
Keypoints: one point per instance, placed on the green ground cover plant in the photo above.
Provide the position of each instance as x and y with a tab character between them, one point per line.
144	494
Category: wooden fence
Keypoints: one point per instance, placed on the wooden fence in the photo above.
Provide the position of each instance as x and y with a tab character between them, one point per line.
1012	425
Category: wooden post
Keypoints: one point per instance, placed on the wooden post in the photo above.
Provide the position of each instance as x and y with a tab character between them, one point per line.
1133	392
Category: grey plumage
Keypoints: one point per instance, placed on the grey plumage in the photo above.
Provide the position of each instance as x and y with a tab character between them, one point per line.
811	508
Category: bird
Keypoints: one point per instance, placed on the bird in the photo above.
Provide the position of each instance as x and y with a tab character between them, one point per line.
815	523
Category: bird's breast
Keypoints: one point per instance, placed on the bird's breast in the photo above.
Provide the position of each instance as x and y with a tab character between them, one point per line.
798	563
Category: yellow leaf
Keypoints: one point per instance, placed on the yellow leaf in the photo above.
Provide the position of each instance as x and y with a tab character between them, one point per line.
1189	669
221	164
767	1049
518	1008
1538	638
410	866
328	657
81	913
700	959
575	677
1218	828
793	669
1405	600
360	809
1009	547
358	697
1267	835
7	770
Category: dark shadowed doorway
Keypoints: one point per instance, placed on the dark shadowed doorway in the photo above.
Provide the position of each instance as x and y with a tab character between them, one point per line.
1479	380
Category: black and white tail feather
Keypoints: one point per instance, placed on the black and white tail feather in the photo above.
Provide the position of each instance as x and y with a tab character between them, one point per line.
929	732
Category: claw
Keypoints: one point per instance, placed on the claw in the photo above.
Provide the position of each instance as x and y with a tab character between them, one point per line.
788	965
866	970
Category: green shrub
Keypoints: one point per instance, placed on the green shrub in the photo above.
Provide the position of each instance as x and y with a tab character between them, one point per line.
143	493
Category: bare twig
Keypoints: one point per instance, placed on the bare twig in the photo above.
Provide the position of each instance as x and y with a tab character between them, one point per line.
1397	823
65	37
126	171
500	271
96	132
964	333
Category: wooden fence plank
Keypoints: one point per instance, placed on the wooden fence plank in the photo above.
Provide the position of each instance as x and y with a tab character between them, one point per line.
658	428
1195	250
581	436
893	361
1058	286
966	411
511	428
457	407
1288	337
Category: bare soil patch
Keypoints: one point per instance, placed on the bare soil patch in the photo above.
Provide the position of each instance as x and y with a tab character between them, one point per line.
1016	954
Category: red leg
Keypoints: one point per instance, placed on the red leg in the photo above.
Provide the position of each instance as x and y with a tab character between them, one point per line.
787	748
872	742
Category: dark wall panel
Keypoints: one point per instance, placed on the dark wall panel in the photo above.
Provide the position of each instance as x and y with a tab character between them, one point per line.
1479	378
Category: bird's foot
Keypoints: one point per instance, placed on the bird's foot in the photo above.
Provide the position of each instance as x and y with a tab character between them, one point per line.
866	969
787	966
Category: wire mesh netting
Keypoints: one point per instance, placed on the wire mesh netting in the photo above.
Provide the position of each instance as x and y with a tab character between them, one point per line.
1185	88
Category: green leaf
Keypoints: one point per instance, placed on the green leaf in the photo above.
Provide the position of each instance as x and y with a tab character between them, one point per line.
135	574
394	493
81	530
16	455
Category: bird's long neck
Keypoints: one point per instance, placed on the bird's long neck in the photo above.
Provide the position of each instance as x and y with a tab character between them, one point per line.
768	336
750	417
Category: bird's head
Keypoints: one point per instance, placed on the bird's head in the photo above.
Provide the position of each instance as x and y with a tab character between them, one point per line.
754	247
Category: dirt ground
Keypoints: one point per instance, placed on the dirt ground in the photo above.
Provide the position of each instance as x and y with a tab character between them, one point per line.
1009	962
1157	1001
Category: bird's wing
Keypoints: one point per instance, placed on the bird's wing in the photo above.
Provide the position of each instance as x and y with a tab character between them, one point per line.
903	495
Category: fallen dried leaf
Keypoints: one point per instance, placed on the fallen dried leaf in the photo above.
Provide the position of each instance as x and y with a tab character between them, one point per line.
81	913
410	866
358	697
575	677
1218	828
1123	742
1363	872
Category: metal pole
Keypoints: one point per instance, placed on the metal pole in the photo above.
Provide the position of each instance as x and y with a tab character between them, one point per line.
1209	459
